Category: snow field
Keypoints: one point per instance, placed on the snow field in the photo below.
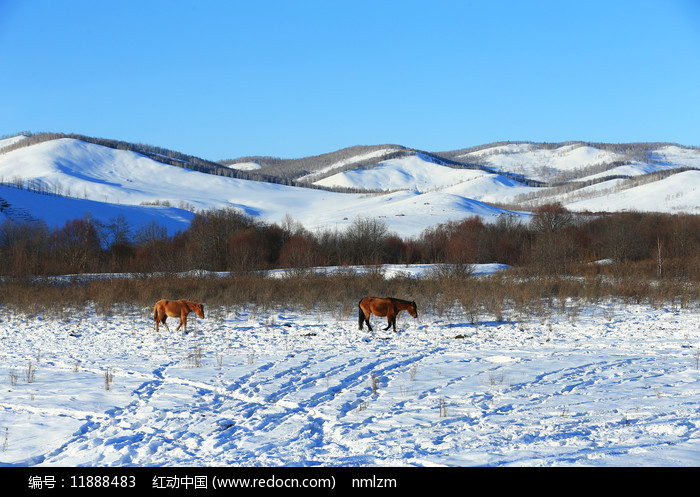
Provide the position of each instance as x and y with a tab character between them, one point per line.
609	385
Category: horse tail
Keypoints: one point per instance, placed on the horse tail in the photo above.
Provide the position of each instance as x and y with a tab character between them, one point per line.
155	311
361	314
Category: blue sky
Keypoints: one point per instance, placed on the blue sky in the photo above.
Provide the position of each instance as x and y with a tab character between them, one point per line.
297	78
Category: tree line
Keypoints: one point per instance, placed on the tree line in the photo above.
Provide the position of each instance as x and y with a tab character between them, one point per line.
555	241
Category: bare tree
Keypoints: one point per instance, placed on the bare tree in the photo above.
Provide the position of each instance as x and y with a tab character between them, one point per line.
551	217
366	237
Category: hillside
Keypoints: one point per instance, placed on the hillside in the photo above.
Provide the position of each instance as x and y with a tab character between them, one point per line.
62	177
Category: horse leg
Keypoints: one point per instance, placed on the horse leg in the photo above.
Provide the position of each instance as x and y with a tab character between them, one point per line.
366	320
366	316
391	319
160	319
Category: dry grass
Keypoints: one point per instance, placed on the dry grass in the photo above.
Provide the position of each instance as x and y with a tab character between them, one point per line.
338	294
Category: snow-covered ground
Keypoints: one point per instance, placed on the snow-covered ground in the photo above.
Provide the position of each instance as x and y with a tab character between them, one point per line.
542	164
343	163
608	384
408	173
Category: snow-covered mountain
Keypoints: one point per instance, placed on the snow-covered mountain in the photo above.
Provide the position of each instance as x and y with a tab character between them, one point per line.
66	178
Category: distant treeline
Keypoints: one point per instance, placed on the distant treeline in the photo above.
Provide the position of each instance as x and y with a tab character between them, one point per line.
632	151
556	241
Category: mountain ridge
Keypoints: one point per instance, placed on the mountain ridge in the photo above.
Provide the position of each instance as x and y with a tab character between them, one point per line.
270	165
412	188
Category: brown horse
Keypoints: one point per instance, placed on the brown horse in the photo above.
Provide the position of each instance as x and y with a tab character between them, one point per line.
176	309
388	307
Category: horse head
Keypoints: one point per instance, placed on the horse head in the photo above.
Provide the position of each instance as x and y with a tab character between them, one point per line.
413	309
199	310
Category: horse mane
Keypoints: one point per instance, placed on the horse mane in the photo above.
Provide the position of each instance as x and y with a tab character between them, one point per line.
406	302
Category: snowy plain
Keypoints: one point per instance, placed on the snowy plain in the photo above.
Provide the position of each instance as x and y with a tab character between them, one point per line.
607	384
610	384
